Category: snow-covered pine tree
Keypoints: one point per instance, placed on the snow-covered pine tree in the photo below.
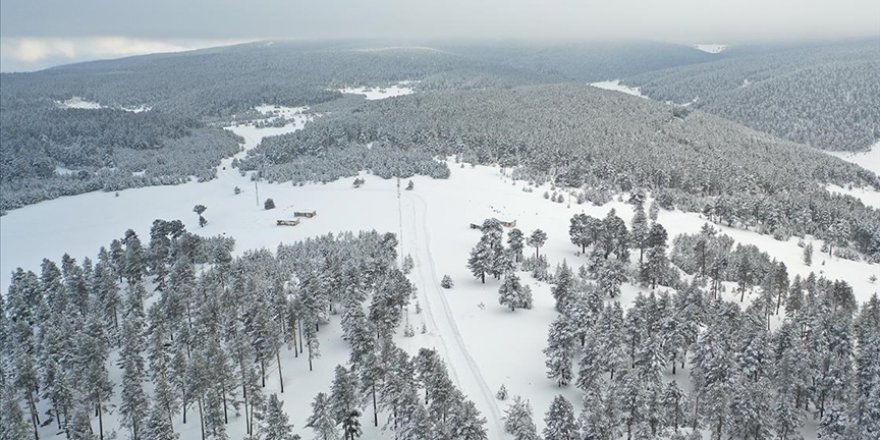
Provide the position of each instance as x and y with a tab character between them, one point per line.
610	275
467	423
117	258
563	289
866	408
795	299
12	424
614	237
656	269
399	385
610	338
515	244
536	240
835	424
321	420
343	393
518	420
480	261
57	331
675	404
601	417
77	291
275	424
417	425
582	231
750	408
264	331
312	344
135	258
711	367
639	225
560	351
134	402
93	350
592	364
25	301
159	425
351	425
512	294
560	421
80	427
107	291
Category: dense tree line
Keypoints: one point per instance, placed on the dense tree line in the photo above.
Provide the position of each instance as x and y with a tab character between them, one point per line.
826	96
750	382
48	152
751	378
195	330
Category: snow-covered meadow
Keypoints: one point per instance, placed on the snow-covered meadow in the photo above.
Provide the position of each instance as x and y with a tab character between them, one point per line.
869	160
373	93
711	48
77	102
616	86
484	344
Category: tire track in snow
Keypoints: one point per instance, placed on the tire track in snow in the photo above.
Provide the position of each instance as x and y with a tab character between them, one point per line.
466	371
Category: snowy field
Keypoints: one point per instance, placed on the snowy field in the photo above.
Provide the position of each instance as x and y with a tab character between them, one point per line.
711	48
82	104
370	93
616	86
484	344
869	160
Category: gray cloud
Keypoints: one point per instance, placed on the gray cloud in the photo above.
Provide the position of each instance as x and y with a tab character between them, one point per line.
186	23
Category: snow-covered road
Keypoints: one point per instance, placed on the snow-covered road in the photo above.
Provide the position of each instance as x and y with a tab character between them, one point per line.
440	319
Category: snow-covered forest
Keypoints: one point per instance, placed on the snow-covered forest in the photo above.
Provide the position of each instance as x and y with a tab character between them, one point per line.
797	93
51	149
449	241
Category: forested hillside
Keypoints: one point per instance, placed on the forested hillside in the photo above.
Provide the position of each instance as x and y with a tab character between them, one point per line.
582	137
48	151
827	96
594	61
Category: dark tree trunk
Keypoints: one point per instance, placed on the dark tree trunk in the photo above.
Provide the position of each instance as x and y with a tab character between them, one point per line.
201	419
100	421
375	409
225	411
280	377
35	415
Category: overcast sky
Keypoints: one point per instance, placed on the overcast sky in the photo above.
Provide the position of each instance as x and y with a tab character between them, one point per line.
38	33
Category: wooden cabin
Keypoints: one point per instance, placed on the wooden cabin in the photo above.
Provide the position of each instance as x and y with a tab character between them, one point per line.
306	214
287	222
506	224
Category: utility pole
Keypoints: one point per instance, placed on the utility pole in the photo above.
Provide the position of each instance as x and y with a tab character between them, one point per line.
400	221
257	192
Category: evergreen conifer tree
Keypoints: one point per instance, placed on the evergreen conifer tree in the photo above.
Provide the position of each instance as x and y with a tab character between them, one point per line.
518	420
275	425
560	421
321	420
560	352
536	240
